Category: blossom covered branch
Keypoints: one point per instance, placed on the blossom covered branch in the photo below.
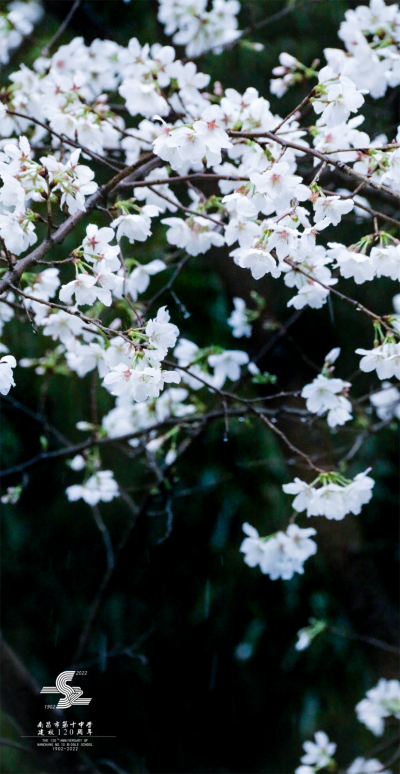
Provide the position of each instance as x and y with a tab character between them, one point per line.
202	171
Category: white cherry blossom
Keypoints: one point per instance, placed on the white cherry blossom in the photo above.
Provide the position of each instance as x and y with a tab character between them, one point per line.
7	363
325	394
340	93
387	402
351	263
381	702
385	359
238	320
331	500
227	366
99	487
18	231
320	752
370	766
137	226
280	184
258	260
82	288
138	281
161	333
330	209
280	555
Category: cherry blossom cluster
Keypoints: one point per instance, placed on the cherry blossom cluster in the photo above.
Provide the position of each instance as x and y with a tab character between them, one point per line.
371	36
371	60
197	28
381	262
154	121
7	363
289	71
384	359
144	377
325	394
16	23
128	366
262	209
129	417
319	755
101	486
381	702
197	364
334	498
386	402
279	555
24	179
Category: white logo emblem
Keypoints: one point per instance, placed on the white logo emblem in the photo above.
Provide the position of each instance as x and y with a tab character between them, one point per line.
71	693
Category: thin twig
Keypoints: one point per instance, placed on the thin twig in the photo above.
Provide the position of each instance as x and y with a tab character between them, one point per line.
138	169
360	307
223	394
46	50
78	448
180	206
260	136
183	179
374	213
89	320
297	109
66	140
169	284
38	418
369	640
95	607
105	535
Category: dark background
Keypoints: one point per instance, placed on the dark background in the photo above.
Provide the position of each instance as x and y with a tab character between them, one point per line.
184	700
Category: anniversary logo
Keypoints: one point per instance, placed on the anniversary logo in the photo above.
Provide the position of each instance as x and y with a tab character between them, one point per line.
56	730
72	694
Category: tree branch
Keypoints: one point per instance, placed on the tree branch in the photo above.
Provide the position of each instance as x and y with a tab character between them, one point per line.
95	607
321	156
136	170
46	50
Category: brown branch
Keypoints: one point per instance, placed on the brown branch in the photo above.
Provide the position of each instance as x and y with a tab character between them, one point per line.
180	206
66	140
374	213
183	179
70	451
136	512
297	109
390	146
261	414
142	167
83	317
169	284
369	640
322	157
352	301
46	50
